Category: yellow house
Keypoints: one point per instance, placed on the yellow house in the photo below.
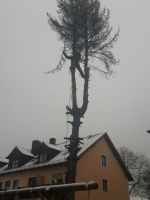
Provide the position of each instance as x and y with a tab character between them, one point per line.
98	160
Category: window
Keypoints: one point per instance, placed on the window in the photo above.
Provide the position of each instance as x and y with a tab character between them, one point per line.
35	181
105	185
32	181
15	163
7	185
57	178
1	185
104	161
43	158
16	184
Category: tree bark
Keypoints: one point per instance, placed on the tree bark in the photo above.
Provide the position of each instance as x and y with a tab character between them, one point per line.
73	147
77	114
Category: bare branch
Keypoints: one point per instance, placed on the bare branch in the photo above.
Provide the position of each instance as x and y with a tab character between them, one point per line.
138	165
139	194
58	67
105	73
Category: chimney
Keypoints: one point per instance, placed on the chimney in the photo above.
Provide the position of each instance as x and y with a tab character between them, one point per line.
52	141
35	146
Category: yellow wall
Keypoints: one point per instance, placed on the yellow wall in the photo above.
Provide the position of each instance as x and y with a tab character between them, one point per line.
24	176
90	169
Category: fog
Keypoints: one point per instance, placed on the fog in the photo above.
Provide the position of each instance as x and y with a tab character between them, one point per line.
32	104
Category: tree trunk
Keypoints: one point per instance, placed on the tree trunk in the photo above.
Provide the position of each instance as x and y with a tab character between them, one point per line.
73	147
73	150
77	114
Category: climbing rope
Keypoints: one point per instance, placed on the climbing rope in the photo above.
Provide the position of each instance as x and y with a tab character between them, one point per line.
67	116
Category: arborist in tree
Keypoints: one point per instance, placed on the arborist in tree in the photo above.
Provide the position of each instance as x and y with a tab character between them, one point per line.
75	59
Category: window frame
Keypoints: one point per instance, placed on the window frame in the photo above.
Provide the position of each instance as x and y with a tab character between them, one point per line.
15	186
15	164
105	185
56	178
7	184
104	160
33	180
42	157
36	181
1	185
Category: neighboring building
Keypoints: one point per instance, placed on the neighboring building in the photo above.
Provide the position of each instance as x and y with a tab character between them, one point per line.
45	164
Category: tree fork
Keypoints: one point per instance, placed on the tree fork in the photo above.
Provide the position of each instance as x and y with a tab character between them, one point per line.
84	27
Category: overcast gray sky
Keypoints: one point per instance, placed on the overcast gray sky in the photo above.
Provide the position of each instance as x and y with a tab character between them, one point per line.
32	104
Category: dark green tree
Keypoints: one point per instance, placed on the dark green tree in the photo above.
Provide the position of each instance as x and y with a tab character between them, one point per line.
83	26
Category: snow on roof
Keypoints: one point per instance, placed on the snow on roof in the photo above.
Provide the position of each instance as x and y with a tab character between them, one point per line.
3	168
25	151
58	159
4	160
53	188
31	162
53	146
87	142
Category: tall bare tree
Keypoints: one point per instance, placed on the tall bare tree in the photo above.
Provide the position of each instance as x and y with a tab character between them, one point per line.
83	26
139	167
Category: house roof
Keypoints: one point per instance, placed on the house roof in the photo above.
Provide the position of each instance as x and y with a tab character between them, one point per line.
22	151
52	146
25	151
61	158
3	160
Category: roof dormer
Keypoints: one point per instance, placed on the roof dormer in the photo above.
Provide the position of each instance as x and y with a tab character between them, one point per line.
47	152
18	157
